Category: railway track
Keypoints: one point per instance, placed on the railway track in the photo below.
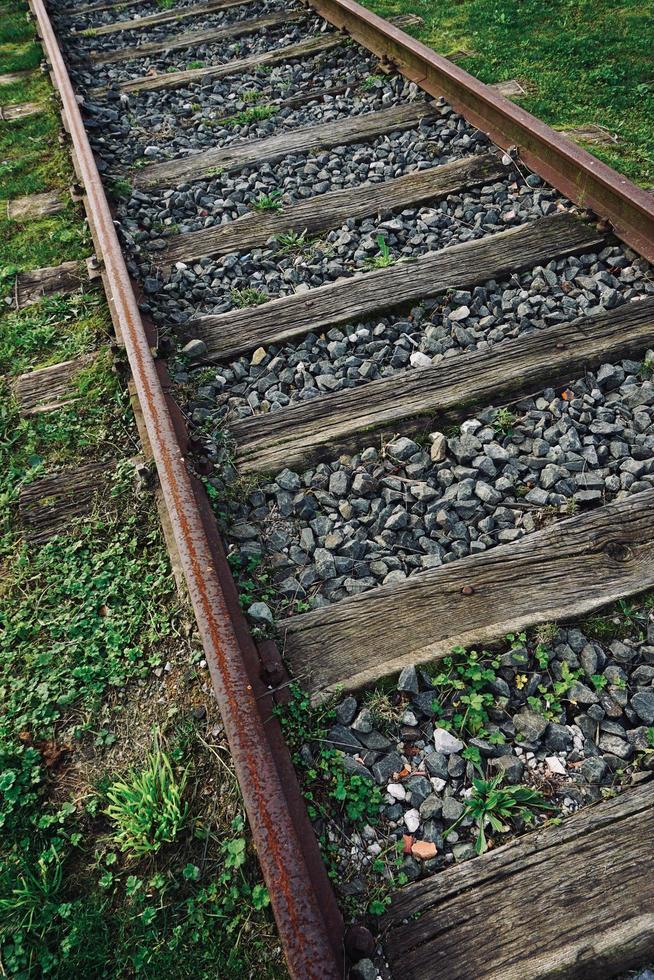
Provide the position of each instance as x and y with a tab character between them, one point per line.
352	254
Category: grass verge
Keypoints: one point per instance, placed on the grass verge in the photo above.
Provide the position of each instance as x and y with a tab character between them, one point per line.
123	845
584	61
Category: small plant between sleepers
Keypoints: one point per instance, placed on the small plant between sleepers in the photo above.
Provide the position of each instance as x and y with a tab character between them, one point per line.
248	297
492	805
269	202
384	258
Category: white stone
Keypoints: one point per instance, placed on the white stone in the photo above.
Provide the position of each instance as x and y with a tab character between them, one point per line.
420	360
412	820
396	790
446	743
438	450
438	784
555	765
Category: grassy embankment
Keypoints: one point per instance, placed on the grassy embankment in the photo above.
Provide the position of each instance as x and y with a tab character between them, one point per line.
123	849
581	62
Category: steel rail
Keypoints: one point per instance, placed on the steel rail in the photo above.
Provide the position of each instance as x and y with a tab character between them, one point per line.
300	916
572	170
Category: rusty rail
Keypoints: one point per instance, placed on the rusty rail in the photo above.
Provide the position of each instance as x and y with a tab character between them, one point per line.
573	171
311	949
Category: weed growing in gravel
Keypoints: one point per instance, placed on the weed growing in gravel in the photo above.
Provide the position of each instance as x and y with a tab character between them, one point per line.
193	64
120	188
248	297
358	797
291	241
492	805
146	807
334	794
269	202
165	4
504	421
253	583
384	713
253	114
370	81
464	684
384	258
251	95
546	634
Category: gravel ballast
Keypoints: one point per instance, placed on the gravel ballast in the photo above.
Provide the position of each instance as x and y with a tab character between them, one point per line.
344	527
567	714
174	120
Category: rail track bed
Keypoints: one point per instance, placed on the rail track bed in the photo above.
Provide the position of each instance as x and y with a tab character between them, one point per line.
417	375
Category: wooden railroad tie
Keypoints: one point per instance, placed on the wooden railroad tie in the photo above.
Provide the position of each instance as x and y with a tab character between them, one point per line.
50	388
35	284
602	555
47	506
228	335
538	906
35	206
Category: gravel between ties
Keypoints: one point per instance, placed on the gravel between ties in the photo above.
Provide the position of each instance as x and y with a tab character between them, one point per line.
195	56
568	715
377	517
177	122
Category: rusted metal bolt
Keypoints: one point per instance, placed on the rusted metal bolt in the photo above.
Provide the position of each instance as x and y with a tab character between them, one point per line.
467	590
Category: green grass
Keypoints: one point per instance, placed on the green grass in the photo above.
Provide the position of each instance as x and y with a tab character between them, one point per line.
19	57
588	62
123	847
32	88
30	158
57	329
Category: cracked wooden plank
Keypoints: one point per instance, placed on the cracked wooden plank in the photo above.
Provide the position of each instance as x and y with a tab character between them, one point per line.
303	49
279	321
13	77
433	398
564	571
35	206
318	214
9	113
245	153
166	17
33	285
47	506
50	388
550	886
178	42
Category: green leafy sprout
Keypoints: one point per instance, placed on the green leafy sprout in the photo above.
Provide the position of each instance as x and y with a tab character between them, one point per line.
384	258
269	202
492	805
146	807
